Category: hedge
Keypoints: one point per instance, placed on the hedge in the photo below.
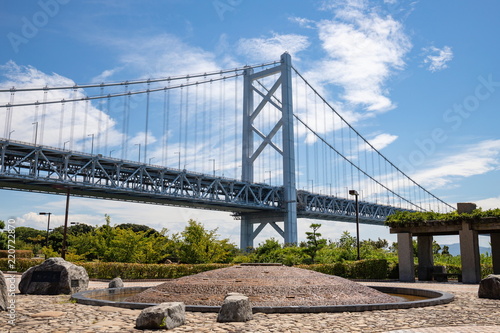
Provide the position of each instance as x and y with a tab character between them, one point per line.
110	270
18	253
362	269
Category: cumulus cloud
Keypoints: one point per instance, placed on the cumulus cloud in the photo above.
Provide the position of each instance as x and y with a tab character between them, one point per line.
53	124
382	140
437	59
474	160
363	48
268	49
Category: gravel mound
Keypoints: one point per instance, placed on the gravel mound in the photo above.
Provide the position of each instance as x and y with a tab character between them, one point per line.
265	286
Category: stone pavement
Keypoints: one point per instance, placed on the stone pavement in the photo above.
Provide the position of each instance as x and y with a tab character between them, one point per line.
468	313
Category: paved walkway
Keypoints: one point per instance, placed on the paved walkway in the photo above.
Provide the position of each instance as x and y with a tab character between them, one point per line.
467	314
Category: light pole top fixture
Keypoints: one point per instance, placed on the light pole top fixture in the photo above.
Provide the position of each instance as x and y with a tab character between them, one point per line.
44	213
353	192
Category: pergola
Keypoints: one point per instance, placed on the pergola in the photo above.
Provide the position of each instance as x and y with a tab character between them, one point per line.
468	231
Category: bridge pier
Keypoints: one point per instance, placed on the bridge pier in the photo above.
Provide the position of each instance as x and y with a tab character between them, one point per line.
250	153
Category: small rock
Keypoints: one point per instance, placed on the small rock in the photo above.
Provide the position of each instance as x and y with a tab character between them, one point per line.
490	287
116	283
165	315
236	307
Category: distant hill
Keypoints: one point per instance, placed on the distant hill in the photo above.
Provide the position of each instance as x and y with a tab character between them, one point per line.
455	249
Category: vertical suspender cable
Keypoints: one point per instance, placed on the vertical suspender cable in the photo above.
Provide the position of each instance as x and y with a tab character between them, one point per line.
147	126
44	114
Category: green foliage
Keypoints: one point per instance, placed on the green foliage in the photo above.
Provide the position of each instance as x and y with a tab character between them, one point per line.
198	246
26	233
406	217
314	243
21	264
362	269
19	254
109	270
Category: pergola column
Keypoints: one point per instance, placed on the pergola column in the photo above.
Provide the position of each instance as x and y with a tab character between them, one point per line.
495	251
425	257
405	257
469	252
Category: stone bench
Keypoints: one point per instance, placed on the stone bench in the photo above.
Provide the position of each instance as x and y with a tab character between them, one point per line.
443	277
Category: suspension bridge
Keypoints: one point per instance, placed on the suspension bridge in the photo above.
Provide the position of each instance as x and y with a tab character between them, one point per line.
258	141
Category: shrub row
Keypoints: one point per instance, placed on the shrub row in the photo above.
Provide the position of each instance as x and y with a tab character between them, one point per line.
362	269
19	254
110	270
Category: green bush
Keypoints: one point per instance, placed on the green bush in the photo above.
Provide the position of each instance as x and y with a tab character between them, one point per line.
21	264
369	269
18	254
362	269
109	270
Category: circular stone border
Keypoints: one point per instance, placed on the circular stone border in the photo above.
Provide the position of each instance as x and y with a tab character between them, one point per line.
434	298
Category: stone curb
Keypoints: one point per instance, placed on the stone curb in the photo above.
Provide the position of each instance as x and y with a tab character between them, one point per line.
437	297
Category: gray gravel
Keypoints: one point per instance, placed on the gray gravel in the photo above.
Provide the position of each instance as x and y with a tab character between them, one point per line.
265	286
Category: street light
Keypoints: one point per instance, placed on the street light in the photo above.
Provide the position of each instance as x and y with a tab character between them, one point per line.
64	145
10	133
150	159
48	226
112	150
356	194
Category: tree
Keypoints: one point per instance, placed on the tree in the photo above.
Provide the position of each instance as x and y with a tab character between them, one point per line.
3	236
137	228
314	242
198	245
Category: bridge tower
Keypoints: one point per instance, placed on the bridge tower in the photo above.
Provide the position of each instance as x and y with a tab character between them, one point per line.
250	153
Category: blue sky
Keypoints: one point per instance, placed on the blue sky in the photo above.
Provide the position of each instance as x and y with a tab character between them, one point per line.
424	76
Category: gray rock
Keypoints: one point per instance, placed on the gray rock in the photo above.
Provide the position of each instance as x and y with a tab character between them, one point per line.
116	283
53	277
236	307
490	287
165	315
3	293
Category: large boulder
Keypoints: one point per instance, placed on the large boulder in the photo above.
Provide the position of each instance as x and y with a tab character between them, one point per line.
3	293
165	315
116	283
490	287
53	277
236	307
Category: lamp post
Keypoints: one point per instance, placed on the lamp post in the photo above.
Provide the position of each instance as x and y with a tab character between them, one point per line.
356	194
64	145
48	226
150	159
10	133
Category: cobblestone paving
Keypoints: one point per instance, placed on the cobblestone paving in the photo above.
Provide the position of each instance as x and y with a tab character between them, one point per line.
468	313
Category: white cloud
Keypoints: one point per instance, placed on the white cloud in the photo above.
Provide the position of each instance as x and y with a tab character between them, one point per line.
363	50
53	123
489	203
382	140
269	49
475	160
437	59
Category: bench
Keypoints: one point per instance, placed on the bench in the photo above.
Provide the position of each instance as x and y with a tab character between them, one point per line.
443	277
